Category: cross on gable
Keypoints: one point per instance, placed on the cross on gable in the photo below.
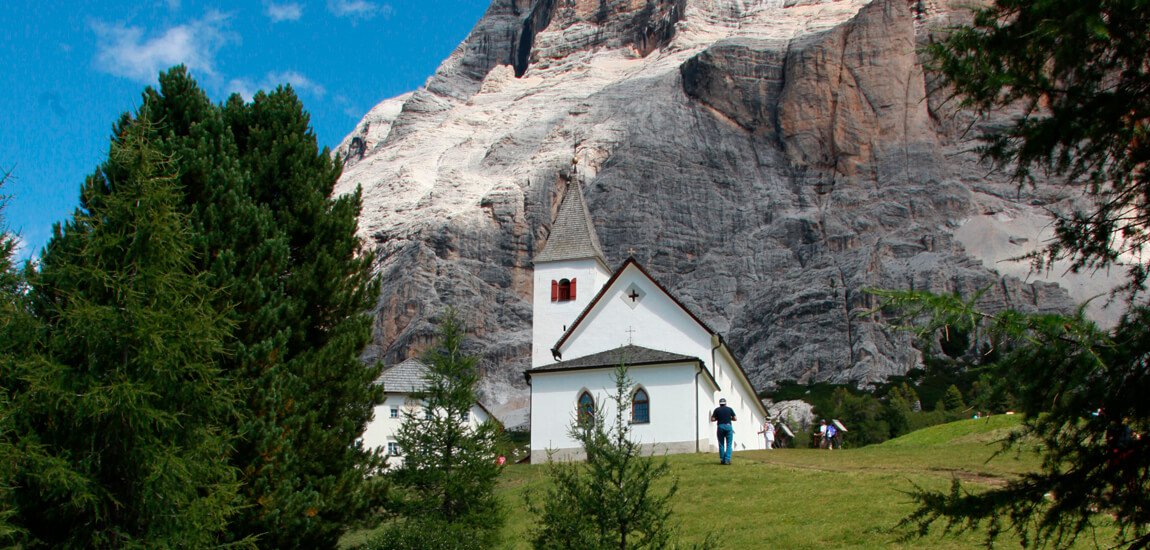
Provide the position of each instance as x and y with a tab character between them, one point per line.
633	295
630	334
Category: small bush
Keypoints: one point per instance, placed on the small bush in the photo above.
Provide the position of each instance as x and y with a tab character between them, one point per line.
431	534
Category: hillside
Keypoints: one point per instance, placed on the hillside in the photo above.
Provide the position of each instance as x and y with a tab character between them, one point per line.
766	160
808	498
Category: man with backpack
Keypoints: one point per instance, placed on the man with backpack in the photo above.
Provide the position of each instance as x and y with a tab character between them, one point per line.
831	439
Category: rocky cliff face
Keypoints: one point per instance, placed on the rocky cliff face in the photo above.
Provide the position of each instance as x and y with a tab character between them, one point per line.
766	159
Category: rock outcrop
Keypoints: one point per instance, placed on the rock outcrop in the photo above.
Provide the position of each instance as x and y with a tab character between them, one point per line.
767	160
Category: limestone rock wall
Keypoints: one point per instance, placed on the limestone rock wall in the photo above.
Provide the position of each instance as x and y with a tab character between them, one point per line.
768	161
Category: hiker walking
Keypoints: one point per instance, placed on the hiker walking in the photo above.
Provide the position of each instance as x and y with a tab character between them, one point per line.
821	437
831	436
724	416
768	432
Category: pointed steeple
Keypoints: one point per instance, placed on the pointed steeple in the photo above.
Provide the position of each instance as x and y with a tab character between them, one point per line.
572	235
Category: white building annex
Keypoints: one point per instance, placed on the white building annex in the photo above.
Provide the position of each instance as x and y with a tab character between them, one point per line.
402	384
588	320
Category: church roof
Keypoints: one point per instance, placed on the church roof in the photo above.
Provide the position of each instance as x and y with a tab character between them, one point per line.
409	376
630	355
573	234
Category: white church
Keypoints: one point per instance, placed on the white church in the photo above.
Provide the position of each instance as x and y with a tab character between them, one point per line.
589	319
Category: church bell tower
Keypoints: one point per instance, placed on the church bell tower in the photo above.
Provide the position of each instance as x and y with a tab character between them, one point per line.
569	271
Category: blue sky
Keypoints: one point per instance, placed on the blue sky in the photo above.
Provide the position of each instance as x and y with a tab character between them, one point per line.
71	68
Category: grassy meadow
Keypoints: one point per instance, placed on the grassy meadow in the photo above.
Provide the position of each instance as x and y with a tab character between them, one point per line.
811	498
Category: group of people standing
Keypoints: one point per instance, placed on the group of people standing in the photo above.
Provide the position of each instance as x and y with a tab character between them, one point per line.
828	436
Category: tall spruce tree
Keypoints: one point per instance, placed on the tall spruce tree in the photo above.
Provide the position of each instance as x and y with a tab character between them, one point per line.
447	479
1079	71
611	500
118	406
15	338
296	285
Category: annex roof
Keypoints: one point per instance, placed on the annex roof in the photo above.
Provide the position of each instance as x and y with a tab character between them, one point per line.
573	234
410	376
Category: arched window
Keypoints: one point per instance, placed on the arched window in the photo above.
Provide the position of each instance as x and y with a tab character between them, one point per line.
586	407
563	290
640	407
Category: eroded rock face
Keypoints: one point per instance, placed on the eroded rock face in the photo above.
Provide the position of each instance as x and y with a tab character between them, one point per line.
768	161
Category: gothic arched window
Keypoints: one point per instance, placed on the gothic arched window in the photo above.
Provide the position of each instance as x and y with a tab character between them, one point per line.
586	407
640	407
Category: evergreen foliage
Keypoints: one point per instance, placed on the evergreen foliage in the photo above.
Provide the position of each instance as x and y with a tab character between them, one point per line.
295	284
1079	71
449	467
17	332
118	408
1083	395
610	500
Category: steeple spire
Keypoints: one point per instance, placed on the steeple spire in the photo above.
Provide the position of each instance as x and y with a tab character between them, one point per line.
572	235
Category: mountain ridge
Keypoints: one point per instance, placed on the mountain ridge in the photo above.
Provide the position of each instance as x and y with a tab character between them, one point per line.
766	160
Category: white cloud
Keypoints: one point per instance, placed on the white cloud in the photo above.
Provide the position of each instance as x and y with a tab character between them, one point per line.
284	12
297	80
247	88
125	51
358	9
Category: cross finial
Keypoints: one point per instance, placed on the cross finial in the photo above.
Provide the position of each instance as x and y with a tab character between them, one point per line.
630	334
631	251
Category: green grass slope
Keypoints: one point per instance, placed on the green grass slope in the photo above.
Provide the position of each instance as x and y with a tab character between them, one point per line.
811	498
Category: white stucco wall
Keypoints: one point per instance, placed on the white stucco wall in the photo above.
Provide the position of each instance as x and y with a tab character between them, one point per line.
740	397
382	428
653	321
671	389
551	319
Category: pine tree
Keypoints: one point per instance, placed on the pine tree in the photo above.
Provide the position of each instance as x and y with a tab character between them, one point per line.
610	500
296	284
449	467
1082	393
122	415
16	335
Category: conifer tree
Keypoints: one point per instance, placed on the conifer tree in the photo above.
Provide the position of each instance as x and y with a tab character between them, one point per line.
15	337
1077	74
449	466
610	500
296	285
121	413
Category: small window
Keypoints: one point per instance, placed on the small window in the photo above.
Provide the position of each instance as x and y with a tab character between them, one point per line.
394	412
465	416
640	407
586	407
563	290
392	448
427	414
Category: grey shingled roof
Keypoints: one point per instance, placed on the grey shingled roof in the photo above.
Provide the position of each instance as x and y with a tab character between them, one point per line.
572	235
406	377
629	354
